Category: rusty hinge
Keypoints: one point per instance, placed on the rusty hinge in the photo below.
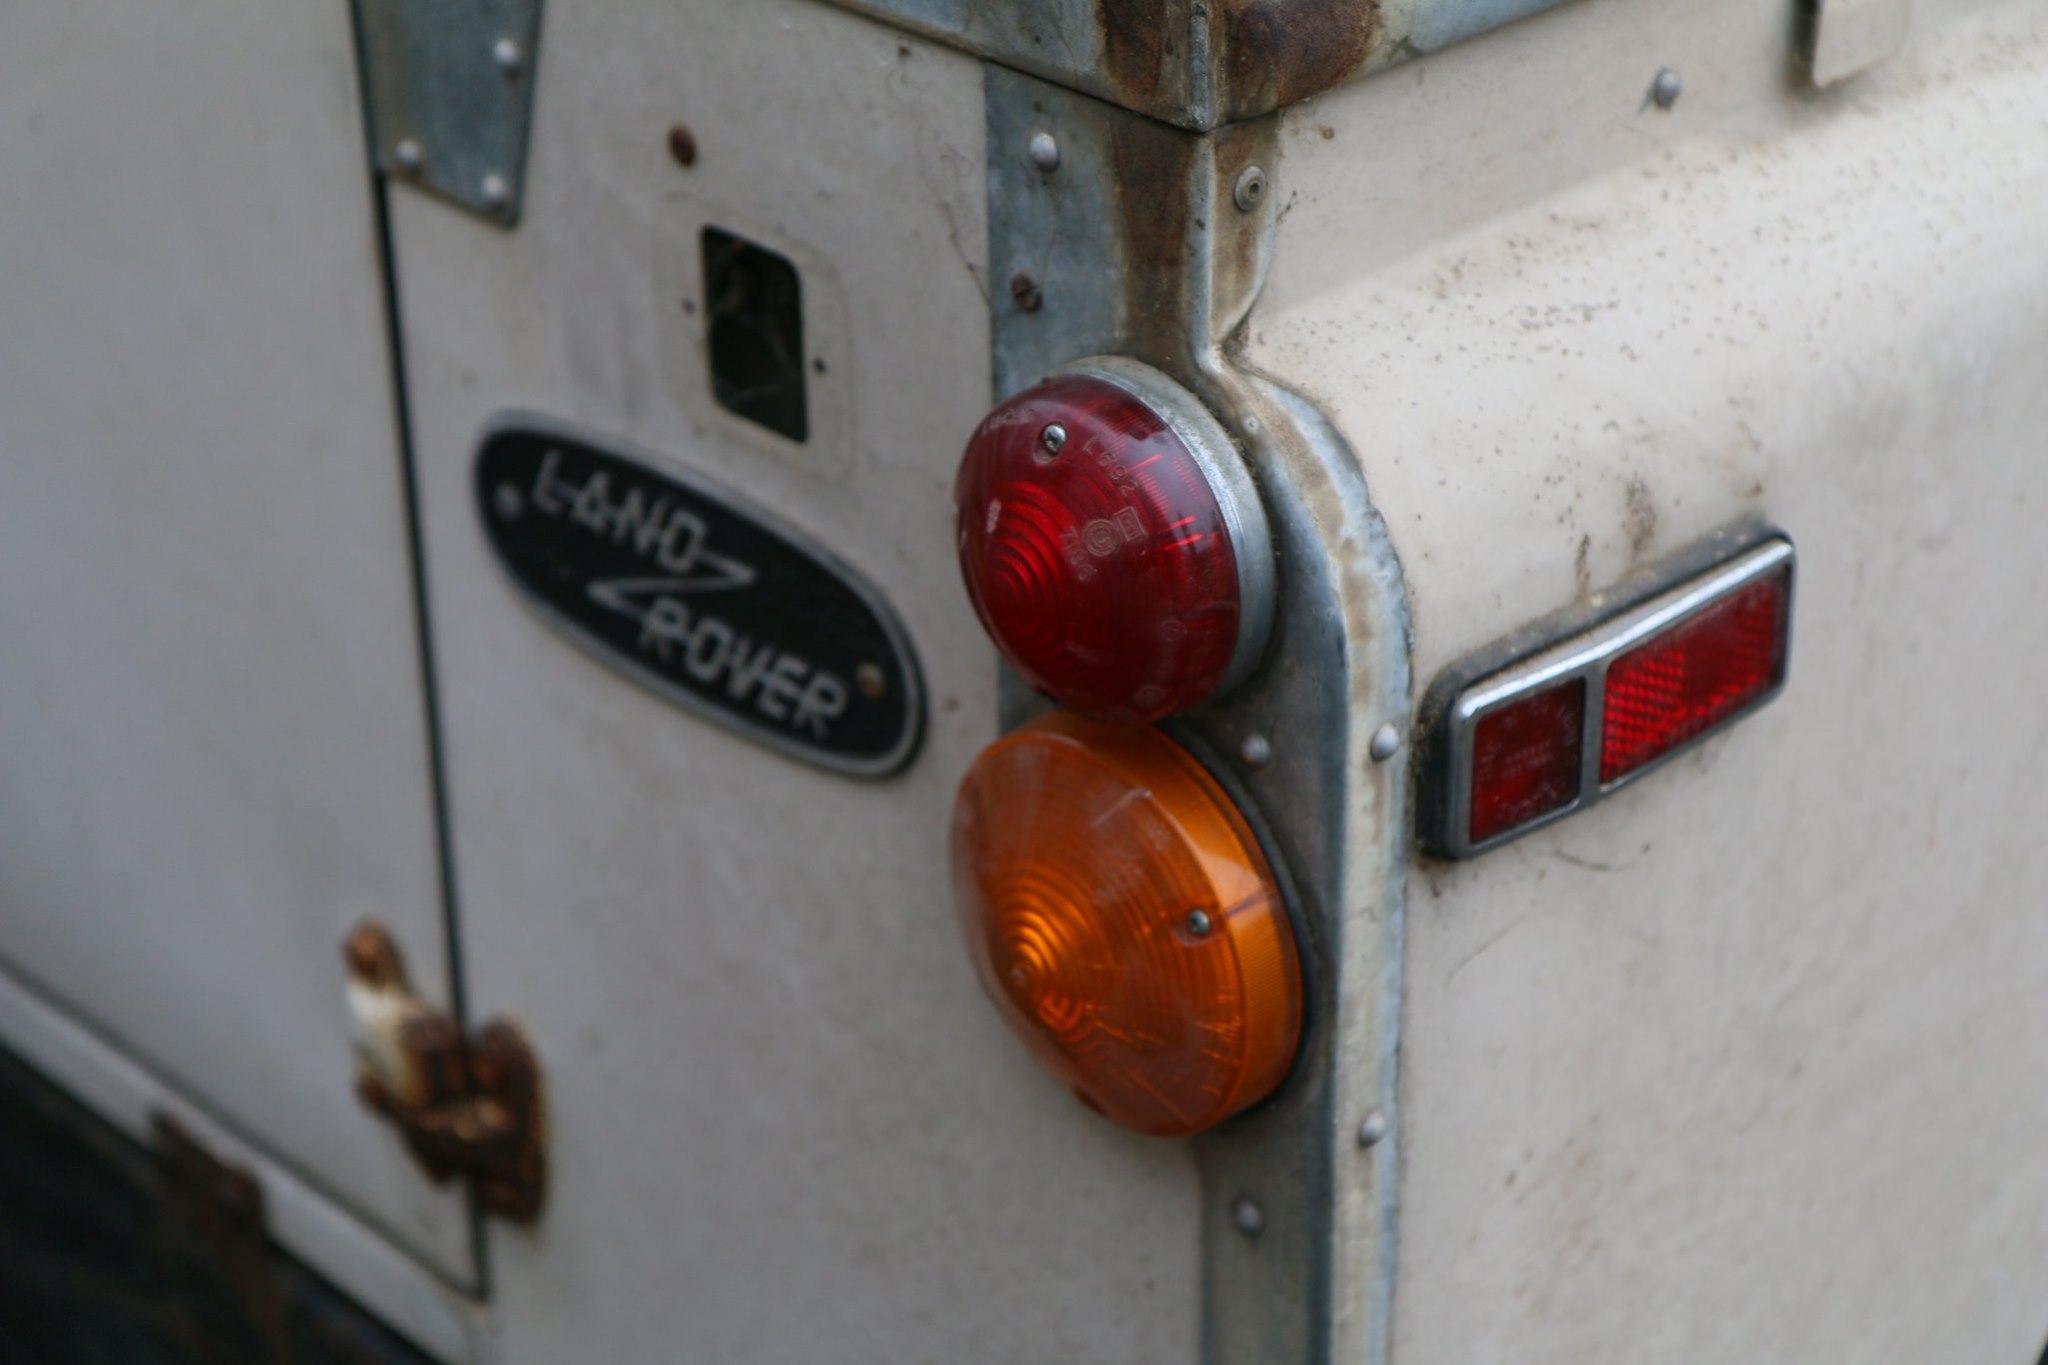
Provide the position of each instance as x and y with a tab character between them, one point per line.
468	1107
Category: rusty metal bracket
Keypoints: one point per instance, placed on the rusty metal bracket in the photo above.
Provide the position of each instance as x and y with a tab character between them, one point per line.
465	1107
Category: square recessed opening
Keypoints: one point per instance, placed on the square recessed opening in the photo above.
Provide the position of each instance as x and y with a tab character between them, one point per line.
754	318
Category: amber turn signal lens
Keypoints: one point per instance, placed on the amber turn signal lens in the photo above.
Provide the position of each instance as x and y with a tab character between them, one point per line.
1125	922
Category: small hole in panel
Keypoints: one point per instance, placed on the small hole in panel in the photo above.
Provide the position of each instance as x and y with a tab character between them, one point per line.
754	319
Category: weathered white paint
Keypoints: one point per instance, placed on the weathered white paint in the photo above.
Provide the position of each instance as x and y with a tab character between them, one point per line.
1749	1063
785	1124
212	757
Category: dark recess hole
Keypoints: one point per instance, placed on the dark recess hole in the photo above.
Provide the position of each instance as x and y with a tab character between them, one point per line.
755	316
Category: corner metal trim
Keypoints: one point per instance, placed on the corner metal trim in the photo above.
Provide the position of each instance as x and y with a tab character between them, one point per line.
1463	700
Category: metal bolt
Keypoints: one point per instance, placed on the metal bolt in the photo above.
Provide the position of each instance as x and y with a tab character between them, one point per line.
505	500
495	191
1665	88
1256	751
1053	438
1373	1130
1045	152
1250	190
409	155
1198	923
682	145
506	55
1249	1217
870	680
1025	292
1386	742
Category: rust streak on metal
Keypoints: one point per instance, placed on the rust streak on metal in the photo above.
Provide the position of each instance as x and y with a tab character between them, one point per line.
1276	52
1152	170
1144	52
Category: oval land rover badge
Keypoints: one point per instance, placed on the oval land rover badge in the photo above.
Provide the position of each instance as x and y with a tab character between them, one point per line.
710	602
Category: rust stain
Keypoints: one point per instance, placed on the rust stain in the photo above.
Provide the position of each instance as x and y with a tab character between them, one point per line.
1152	169
1276	52
1140	54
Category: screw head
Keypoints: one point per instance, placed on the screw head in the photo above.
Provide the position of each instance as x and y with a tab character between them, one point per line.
507	57
1665	88
1248	1216
1386	742
1373	1129
409	155
1250	190
1199	924
1053	439
1044	150
1025	292
1256	751
496	192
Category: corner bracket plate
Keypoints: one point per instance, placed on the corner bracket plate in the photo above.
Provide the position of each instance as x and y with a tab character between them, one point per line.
450	91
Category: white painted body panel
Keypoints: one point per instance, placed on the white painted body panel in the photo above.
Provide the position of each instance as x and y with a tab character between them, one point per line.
212	732
1750	1062
784	1124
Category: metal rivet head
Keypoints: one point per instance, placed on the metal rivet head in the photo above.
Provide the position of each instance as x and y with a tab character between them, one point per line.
1199	924
1248	1216
870	680
1386	742
496	192
1373	1130
507	57
1665	88
506	502
682	145
1053	439
1250	190
409	155
1045	152
1256	751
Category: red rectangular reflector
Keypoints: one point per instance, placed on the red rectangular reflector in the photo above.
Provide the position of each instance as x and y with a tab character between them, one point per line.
1693	675
1526	758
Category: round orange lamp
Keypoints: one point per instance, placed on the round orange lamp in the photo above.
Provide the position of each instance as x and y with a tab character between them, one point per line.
1124	920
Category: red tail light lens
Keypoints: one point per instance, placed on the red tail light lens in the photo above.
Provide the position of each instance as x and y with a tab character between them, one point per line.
1112	543
1695	675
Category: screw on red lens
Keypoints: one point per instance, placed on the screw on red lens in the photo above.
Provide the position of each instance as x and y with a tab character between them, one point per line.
1526	760
1694	675
1099	551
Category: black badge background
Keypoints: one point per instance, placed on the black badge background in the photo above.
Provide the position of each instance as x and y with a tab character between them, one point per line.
802	601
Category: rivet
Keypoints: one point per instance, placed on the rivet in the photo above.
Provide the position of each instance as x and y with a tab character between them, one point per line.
1256	751
506	55
495	191
1025	292
1053	438
1386	742
1045	152
1198	923
409	155
1250	190
505	500
1249	1217
870	680
1373	1130
1665	88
